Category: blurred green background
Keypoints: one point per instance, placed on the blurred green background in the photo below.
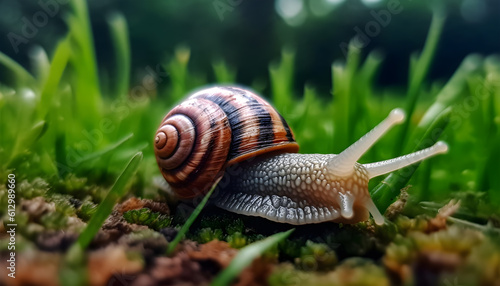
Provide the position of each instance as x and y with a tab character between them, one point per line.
249	35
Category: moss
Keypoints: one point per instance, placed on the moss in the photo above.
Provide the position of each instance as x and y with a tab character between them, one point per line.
255	237
22	218
22	244
145	216
290	248
52	211
86	210
222	227
145	234
237	240
54	220
421	257
63	204
350	240
316	257
227	223
483	265
4	199
353	271
406	224
235	226
31	189
72	185
205	235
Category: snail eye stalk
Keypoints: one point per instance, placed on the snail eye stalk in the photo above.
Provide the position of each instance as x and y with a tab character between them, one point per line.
384	167
343	164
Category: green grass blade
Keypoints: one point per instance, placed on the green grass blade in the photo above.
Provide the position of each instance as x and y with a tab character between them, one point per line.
413	64
115	193
28	139
57	67
177	69
41	64
340	115
184	229
349	81
369	70
22	75
449	95
282	82
119	34
420	69
367	97
486	229
345	113
82	25
73	271
245	257
223	72
107	149
86	76
385	193
487	174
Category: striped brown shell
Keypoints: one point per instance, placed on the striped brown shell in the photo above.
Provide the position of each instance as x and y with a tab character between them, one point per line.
212	129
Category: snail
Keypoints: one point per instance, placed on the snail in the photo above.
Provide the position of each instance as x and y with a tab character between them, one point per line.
233	134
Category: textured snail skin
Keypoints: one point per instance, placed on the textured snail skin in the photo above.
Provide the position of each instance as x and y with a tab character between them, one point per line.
296	189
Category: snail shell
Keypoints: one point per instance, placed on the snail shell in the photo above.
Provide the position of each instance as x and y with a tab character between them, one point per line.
215	128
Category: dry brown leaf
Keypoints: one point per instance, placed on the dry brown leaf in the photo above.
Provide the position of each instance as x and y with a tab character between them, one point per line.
136	203
438	222
105	262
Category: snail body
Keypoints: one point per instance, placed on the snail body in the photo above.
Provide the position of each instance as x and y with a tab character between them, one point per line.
233	134
297	189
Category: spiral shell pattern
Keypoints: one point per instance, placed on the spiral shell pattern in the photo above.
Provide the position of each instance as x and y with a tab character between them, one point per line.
212	129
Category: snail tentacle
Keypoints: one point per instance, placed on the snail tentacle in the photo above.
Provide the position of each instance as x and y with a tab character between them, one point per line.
387	166
372	208
343	163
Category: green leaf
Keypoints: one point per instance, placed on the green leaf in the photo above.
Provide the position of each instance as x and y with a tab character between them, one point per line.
28	139
419	69
223	72
190	220
86	85
345	114
57	66
73	270
448	96
107	149
282	81
22	75
41	64
245	257
117	191
177	69
119	34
